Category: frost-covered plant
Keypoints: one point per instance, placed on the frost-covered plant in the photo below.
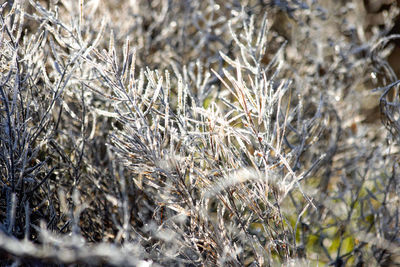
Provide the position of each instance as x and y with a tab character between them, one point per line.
197	133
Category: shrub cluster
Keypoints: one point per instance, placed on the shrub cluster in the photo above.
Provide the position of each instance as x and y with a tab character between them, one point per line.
198	133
